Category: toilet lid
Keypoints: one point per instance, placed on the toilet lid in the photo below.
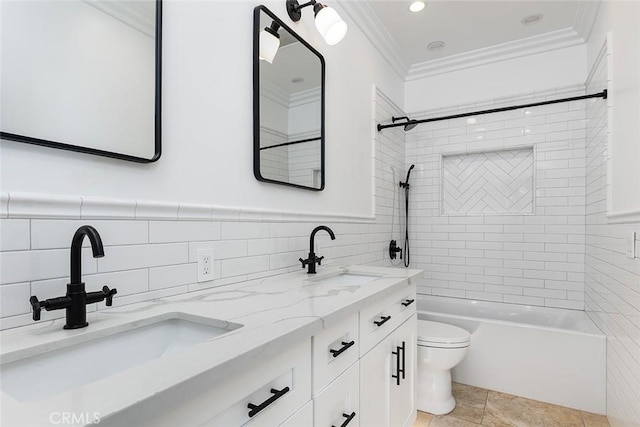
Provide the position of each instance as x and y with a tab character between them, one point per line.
440	333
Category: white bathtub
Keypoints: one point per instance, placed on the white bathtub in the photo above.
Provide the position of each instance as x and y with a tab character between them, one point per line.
548	354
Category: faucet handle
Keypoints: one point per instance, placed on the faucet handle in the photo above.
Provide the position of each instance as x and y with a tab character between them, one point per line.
108	295
304	262
319	260
37	306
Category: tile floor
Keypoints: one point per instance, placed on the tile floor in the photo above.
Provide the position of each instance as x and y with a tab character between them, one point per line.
480	407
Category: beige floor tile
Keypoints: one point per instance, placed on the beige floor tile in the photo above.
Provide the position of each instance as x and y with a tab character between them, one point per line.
449	421
594	420
470	402
423	419
504	410
469	395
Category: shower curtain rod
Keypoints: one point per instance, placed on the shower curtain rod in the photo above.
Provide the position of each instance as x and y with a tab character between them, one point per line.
602	95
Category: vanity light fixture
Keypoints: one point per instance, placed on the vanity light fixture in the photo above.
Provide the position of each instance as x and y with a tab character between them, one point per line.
328	22
417	6
269	42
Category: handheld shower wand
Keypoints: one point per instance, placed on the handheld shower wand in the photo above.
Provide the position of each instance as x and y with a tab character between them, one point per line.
405	184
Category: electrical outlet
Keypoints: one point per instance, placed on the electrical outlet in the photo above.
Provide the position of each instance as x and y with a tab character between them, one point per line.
631	245
205	264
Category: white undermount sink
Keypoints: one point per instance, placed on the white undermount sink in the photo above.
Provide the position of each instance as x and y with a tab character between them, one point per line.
344	278
53	372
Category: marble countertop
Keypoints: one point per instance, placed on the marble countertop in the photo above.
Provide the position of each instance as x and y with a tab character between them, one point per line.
274	311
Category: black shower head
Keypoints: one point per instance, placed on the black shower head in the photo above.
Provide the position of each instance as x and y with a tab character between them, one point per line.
410	168
410	123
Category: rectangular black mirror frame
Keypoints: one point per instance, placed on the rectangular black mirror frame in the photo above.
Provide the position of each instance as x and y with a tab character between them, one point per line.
158	116
256	98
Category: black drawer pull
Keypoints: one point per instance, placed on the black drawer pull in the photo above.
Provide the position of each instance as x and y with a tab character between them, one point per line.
348	417
408	302
400	367
345	345
277	394
382	320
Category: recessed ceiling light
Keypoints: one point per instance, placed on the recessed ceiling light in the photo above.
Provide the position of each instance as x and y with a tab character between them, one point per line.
417	6
531	19
297	80
436	45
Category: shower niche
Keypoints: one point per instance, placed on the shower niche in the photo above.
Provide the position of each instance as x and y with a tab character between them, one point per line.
288	105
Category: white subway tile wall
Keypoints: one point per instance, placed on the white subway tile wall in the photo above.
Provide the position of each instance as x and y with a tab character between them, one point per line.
535	259
612	279
151	257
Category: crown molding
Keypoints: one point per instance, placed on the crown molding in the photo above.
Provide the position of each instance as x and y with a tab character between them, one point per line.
305	97
362	14
129	13
585	18
528	46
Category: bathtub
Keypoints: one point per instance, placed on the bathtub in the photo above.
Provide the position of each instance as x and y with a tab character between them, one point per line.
548	354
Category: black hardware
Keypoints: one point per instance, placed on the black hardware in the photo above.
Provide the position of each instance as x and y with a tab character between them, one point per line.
410	124
408	302
257	28
313	259
345	345
157	115
400	367
76	300
397	375
403	358
382	320
394	249
405	185
348	417
602	95
277	394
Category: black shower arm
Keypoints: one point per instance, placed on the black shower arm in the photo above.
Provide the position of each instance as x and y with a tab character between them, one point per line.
602	95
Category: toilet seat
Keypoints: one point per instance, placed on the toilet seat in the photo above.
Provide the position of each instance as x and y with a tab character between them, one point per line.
441	335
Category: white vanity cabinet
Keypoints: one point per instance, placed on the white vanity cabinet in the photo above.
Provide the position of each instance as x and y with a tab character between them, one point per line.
387	379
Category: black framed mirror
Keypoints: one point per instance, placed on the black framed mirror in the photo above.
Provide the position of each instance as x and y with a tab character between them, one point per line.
288	105
83	75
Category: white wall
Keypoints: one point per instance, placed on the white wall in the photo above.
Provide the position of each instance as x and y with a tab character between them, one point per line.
524	75
622	19
207	122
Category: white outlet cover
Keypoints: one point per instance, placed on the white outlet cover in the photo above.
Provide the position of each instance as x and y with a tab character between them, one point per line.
205	264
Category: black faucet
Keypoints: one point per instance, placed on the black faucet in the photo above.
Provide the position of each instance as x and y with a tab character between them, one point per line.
311	261
76	299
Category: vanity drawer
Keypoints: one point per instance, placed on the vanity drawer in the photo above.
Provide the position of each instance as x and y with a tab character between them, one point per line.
339	403
383	316
302	418
334	350
275	392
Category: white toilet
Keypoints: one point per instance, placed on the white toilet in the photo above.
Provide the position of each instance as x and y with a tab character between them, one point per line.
440	348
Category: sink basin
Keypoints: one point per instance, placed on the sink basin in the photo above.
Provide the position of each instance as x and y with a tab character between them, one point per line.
345	279
57	371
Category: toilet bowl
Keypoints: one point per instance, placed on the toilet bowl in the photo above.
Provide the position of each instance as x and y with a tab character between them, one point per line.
440	348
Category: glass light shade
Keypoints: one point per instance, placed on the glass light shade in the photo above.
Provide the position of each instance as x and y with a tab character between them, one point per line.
269	45
330	25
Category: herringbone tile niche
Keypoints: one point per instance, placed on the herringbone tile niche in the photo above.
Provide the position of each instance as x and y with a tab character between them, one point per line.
488	183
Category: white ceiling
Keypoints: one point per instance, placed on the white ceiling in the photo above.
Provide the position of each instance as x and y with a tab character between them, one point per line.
470	28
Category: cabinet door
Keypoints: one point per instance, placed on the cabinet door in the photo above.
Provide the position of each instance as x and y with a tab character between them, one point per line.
386	401
375	379
402	399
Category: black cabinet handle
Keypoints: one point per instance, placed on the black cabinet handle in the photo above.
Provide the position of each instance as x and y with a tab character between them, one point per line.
403	358
348	417
277	394
382	320
408	302
398	370
345	345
